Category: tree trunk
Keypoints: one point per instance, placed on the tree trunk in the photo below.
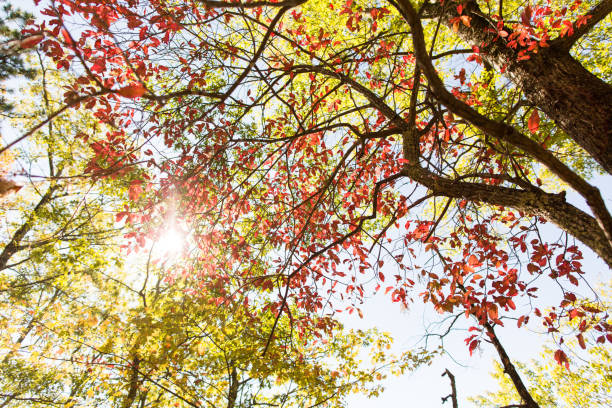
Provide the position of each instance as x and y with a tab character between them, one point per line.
232	394
576	100
134	384
509	369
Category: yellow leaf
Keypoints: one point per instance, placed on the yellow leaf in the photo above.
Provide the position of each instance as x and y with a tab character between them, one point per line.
201	349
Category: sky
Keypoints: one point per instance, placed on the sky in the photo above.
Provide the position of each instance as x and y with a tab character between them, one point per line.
425	387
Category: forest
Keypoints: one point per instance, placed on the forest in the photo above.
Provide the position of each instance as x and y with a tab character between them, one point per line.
199	199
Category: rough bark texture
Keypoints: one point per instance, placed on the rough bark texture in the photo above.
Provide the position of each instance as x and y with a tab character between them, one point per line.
576	100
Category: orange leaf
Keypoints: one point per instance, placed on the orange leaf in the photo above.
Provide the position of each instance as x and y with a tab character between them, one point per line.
31	41
534	121
466	20
581	341
472	260
492	309
132	91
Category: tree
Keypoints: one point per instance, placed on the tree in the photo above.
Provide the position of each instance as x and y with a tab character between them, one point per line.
83	326
12	46
312	138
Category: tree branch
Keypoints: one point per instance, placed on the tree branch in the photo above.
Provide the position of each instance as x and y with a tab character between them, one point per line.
453	394
596	14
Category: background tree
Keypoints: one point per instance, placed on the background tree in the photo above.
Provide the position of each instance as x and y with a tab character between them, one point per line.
587	384
12	20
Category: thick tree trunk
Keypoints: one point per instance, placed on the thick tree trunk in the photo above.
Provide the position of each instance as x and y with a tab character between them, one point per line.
576	100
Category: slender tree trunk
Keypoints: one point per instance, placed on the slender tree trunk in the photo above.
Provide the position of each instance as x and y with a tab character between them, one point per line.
576	100
134	383
232	395
509	369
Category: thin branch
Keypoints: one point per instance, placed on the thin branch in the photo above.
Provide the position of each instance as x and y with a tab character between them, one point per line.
453	394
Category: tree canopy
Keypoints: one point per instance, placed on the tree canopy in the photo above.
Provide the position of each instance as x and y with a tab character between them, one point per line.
313	151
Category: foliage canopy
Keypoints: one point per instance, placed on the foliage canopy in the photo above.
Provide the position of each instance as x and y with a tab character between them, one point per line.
310	147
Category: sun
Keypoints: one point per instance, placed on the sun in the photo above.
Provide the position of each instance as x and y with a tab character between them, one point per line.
171	243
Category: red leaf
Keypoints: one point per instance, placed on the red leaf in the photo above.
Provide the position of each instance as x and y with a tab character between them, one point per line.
561	358
534	121
573	313
31	41
526	16
473	346
132	91
135	190
67	37
581	341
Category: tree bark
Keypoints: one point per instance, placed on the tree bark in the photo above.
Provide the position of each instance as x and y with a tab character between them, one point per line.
576	100
553	207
